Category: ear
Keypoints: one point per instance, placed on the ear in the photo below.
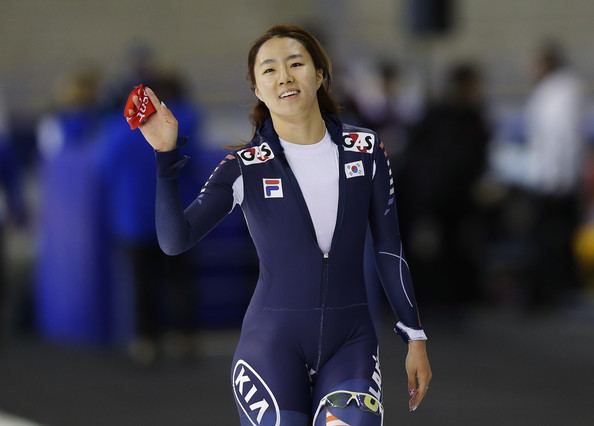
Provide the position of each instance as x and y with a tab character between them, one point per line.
257	93
319	77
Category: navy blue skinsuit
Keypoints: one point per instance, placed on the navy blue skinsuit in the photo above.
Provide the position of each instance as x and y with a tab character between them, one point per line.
307	331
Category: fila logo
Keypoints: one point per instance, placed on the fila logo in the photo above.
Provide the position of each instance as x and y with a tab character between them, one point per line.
273	188
354	169
254	396
358	142
256	154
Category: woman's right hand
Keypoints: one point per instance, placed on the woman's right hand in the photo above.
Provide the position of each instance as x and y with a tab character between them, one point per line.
160	129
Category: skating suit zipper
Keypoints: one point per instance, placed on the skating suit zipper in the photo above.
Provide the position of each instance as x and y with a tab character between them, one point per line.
324	291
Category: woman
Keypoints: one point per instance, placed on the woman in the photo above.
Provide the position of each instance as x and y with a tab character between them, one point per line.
308	186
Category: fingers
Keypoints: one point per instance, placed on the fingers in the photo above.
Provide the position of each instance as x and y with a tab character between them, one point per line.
412	385
412	392
136	103
418	394
154	99
419	373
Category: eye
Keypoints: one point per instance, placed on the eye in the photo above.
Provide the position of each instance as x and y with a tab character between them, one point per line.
296	64
267	70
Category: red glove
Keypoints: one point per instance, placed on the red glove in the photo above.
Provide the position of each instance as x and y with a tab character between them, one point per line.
138	115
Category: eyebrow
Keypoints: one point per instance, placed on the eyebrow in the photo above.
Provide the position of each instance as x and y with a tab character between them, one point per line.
293	56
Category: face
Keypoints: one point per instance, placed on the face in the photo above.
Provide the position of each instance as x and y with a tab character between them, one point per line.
286	78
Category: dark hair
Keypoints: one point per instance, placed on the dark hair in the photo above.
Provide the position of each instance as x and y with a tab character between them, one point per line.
551	55
463	74
321	62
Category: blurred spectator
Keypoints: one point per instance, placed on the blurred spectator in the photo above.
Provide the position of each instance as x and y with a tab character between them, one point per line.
11	202
128	169
553	120
444	161
72	283
555	144
139	62
75	121
379	109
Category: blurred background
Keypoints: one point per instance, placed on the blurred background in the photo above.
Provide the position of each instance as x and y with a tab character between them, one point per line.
486	109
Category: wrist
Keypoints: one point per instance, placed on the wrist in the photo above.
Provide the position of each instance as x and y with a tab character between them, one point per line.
417	345
409	334
165	148
168	147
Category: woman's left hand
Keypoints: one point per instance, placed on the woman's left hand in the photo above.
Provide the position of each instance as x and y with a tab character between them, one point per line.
418	371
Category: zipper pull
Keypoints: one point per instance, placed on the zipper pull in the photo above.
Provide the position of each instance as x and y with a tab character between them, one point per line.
326	256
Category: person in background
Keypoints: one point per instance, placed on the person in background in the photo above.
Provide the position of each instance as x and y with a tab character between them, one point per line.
443	164
12	209
163	286
555	144
138	63
75	118
71	252
380	110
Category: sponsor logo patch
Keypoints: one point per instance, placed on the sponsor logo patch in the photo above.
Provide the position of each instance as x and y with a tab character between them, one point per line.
273	188
256	154
354	169
358	142
377	378
254	396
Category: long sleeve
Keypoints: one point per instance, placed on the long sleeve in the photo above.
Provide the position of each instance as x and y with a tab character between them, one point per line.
392	267
178	229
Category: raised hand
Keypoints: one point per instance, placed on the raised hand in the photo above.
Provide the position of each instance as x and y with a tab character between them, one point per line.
160	129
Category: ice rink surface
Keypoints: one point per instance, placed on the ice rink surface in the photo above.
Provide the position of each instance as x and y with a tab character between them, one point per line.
494	368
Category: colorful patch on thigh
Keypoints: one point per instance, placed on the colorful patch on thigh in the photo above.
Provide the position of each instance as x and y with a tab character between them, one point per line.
332	420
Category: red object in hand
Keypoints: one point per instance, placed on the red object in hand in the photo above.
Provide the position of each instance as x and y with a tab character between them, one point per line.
137	116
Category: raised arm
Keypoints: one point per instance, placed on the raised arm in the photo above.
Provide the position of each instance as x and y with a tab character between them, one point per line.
178	229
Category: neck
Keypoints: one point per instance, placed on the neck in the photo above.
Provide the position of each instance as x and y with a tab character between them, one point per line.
302	130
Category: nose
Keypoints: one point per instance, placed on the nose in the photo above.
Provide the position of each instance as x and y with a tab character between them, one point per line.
285	75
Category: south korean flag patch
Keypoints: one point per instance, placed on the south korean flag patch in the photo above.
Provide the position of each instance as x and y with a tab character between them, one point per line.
354	169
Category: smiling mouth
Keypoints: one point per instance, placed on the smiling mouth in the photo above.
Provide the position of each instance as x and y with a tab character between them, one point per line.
289	94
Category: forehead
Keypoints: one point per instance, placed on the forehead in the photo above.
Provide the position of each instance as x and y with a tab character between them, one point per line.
279	48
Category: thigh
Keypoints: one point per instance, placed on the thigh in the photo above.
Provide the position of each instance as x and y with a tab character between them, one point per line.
270	382
353	375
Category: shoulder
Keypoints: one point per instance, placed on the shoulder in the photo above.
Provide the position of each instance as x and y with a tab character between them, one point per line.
226	170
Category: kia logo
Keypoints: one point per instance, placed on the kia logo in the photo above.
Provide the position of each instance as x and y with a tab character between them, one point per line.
254	396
